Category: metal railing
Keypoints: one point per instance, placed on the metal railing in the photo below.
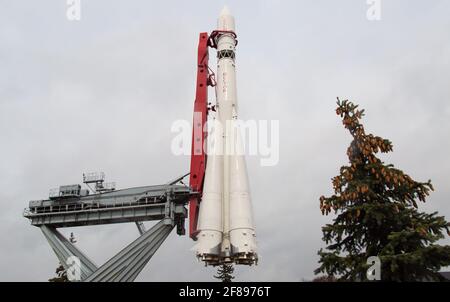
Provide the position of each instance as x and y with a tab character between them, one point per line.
93	177
70	208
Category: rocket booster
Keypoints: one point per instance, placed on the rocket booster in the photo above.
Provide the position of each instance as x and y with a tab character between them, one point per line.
225	222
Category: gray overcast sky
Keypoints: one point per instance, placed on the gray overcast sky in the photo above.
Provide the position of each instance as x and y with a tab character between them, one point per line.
102	94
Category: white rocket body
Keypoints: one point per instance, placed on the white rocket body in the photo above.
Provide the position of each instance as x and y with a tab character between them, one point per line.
225	223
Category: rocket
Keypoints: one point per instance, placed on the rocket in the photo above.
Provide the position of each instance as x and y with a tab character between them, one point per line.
226	232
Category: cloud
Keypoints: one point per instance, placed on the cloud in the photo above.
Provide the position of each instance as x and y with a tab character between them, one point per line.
102	94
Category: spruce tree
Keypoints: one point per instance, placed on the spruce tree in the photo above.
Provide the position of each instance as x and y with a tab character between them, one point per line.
376	207
225	273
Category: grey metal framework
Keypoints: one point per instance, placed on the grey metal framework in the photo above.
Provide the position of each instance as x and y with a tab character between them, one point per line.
162	202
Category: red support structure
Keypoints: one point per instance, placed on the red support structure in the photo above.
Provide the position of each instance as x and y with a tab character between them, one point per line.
198	155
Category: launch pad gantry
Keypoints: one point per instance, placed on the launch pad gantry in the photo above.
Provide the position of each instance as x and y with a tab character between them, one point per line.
75	207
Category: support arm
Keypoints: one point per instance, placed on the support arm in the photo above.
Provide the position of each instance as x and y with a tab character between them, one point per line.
128	263
64	249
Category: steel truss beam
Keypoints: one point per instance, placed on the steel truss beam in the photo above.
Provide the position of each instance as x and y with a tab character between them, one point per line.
124	266
64	249
128	263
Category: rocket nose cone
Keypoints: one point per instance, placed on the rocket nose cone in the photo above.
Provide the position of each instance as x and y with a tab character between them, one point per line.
225	11
226	20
